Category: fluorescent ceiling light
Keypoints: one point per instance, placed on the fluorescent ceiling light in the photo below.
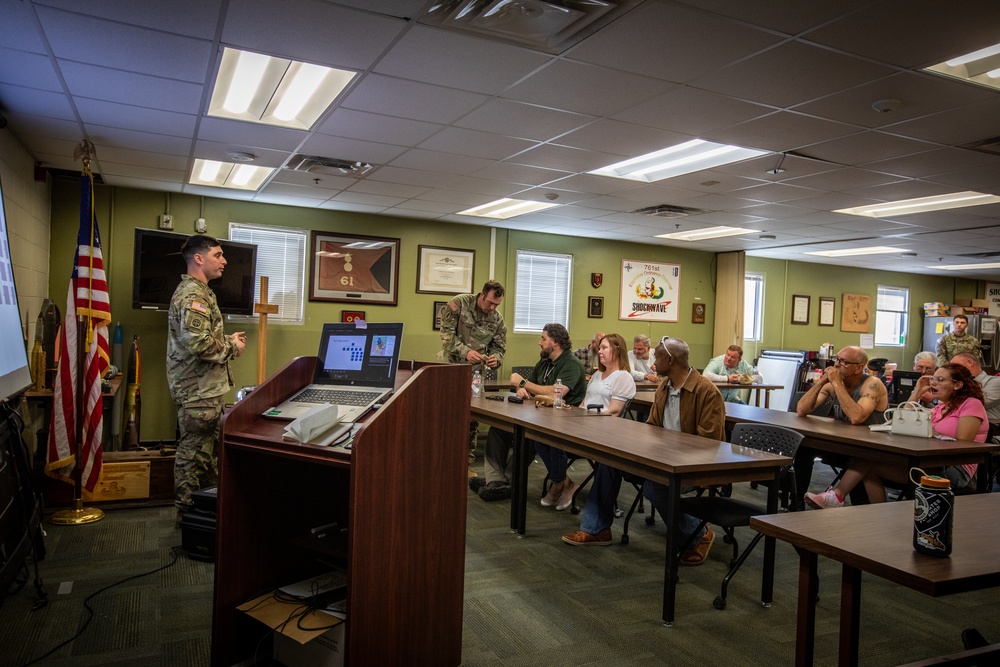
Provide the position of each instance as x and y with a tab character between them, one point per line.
691	156
967	267
228	175
852	252
506	208
922	204
274	91
707	233
981	67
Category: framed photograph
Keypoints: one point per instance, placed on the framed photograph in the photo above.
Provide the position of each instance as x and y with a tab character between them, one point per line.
697	313
351	315
445	270
595	306
800	309
358	269
856	313
827	305
439	307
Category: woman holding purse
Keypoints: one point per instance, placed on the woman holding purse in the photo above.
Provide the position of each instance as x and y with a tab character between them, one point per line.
959	415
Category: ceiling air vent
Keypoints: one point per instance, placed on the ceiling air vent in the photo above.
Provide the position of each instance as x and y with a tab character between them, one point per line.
670	211
989	146
315	164
551	26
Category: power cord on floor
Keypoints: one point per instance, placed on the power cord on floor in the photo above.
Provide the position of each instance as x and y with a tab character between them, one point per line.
90	610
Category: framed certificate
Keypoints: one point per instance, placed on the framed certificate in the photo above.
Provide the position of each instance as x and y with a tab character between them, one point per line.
800	309
445	270
827	308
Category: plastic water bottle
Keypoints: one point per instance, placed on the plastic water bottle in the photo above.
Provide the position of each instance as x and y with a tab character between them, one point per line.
933	516
477	384
557	390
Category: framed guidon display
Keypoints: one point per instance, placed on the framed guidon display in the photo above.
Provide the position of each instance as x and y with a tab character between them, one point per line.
357	269
445	270
649	291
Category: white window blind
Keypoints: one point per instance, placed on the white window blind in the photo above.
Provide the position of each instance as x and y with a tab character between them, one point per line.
753	306
281	256
891	310
542	290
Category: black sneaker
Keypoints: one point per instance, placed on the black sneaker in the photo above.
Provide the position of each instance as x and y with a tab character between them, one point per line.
495	491
476	483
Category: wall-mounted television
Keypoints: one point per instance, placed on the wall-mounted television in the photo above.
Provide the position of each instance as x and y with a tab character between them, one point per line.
159	266
15	376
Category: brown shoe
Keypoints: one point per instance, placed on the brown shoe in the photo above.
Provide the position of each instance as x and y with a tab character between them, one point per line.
582	539
699	553
472	473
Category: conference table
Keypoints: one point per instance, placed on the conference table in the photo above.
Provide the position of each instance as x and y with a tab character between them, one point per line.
668	457
838	437
878	539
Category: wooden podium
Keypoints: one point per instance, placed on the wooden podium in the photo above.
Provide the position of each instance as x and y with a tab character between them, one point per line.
398	498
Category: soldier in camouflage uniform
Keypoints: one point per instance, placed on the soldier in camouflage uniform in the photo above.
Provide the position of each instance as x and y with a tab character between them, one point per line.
473	332
958	341
198	354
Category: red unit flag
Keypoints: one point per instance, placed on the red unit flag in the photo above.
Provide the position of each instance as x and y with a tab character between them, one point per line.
87	299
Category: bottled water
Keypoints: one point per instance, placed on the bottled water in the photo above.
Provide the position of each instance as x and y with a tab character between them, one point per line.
557	390
477	384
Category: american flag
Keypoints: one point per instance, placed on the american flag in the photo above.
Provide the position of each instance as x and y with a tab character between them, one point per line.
87	298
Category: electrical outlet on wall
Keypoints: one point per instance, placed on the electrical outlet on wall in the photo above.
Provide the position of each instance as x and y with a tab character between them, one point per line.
166	221
200	226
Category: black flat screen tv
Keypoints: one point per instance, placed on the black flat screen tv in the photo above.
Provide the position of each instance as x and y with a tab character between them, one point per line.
15	376
159	266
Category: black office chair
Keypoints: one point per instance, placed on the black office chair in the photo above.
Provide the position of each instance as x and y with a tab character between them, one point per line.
731	513
521	370
574	509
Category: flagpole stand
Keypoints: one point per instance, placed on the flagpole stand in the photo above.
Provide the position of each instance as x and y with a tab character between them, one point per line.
77	516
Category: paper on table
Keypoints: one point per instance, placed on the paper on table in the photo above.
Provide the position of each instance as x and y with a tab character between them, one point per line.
313	425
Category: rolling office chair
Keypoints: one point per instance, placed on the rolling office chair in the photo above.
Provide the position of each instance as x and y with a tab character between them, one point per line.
731	513
574	509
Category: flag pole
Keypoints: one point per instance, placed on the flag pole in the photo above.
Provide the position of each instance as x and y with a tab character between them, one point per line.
78	514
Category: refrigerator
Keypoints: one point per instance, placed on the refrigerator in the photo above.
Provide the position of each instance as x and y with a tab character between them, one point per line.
983	327
781	367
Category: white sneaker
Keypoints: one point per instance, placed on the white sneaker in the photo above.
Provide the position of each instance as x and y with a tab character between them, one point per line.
826	500
551	498
566	497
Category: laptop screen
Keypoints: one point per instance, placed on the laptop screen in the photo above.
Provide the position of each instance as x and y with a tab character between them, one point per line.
362	357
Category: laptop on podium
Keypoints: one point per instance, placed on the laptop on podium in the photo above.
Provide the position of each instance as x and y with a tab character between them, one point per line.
356	370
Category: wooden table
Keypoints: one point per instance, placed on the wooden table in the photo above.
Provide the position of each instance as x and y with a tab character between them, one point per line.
646	390
878	539
839	437
668	457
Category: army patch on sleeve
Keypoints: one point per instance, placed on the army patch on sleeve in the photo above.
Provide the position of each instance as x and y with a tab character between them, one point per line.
200	307
195	322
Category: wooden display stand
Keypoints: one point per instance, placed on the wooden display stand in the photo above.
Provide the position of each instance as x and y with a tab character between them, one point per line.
398	497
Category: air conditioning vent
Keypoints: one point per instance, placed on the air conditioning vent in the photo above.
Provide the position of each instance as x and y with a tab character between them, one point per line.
990	146
551	26
315	164
670	211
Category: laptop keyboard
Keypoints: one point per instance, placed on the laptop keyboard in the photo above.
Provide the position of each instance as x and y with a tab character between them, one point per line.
335	396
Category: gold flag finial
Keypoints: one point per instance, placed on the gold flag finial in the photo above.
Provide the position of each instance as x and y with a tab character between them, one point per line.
85	151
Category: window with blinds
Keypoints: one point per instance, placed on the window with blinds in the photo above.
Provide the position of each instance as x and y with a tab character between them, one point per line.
281	256
542	290
891	309
753	306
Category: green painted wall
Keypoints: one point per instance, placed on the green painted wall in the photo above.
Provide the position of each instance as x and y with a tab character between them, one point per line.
121	210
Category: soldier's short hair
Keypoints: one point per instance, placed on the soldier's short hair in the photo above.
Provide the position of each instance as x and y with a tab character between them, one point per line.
558	334
197	244
492	286
961	317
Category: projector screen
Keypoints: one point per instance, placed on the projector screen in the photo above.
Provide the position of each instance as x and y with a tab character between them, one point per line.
14	374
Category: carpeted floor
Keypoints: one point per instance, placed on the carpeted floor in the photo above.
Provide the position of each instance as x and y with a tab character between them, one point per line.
528	601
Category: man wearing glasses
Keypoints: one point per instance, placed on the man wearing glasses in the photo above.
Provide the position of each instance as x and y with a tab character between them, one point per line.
846	394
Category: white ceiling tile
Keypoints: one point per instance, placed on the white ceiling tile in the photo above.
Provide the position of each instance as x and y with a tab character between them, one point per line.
145	184
552	156
212	150
104	83
347	206
342	148
410	177
194	18
864	147
277	188
32	102
787	16
509	172
426	206
389	189
22	68
409	99
143	158
691	111
843	179
973	122
128	117
377	127
132	140
620	138
526	121
460	199
351	197
459	61
484	186
899	190
448	163
780	132
665	41
473	142
786	75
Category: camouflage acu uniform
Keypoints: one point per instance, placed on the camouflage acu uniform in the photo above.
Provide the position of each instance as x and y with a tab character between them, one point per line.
464	327
198	354
950	345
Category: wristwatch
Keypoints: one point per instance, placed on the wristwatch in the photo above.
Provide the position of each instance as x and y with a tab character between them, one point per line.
521	383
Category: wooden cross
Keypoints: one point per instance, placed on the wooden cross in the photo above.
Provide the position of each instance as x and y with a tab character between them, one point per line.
263	308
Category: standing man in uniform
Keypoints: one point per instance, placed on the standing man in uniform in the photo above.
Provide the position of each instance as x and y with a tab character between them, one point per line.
958	341
198	354
473	332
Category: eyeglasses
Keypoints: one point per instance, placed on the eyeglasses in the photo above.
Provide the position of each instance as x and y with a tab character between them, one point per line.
845	362
663	341
935	378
